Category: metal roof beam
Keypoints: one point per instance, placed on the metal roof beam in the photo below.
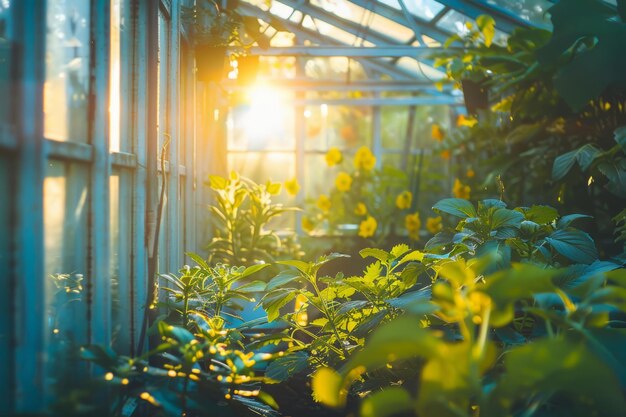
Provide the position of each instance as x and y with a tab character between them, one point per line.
348	51
505	20
397	16
341	23
372	63
386	101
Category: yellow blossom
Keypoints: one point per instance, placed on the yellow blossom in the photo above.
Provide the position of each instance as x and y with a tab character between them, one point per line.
404	199
413	224
470	173
461	191
292	186
333	157
307	225
445	154
301	315
367	228
461	120
343	181
323	202
360	209
436	132
433	224
364	159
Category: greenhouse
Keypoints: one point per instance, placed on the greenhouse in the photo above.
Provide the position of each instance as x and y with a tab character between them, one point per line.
313	208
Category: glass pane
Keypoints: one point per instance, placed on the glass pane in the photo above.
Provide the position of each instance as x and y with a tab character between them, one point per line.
394	126
454	22
120	250
6	304
6	58
114	81
66	200
532	10
344	127
163	80
264	120
66	89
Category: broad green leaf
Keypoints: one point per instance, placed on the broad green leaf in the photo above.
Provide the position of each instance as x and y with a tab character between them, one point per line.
620	134
416	256
585	155
284	277
303	267
282	368
328	387
456	206
541	214
254	286
502	218
399	250
273	301
457	272
252	269
388	402
379	254
575	245
178	333
199	260
217	183
615	171
565	221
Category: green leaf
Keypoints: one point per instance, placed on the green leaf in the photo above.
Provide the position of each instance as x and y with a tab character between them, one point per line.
506	218
379	254
541	214
615	171
415	256
399	250
217	183
252	269
565	221
585	155
273	301
620	134
457	272
487	26
303	267
282	278
178	333
575	245
388	402
284	367
199	260
456	206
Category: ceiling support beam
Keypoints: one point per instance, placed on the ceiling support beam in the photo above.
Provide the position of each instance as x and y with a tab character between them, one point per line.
384	101
348	51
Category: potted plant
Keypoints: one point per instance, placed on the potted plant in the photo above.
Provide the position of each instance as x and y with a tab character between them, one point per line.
213	30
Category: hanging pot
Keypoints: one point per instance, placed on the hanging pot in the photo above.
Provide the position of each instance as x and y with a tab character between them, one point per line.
210	62
476	96
247	69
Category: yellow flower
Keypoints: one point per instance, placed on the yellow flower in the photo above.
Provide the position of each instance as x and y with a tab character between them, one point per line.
470	173
436	132
445	154
292	186
461	191
461	120
403	200
360	209
413	224
301	316
323	202
343	181
433	224
333	157
367	228
364	159
307	225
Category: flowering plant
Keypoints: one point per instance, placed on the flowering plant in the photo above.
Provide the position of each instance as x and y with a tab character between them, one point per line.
376	199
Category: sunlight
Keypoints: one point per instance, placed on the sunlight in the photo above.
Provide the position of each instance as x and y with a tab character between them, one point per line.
264	120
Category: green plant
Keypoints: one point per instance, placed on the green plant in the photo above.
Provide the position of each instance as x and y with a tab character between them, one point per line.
241	214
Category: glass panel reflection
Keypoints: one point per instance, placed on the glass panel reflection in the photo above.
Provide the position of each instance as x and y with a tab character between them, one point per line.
66	88
66	200
6	67
344	127
114	80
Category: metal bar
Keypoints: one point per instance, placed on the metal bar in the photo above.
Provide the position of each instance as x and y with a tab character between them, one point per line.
411	101
411	21
28	272
348	51
505	21
303	33
99	283
68	151
341	23
123	160
397	16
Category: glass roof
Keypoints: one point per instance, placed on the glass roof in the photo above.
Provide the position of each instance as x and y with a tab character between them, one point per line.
393	32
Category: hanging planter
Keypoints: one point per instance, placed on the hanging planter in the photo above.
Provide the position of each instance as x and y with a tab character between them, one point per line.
210	63
476	95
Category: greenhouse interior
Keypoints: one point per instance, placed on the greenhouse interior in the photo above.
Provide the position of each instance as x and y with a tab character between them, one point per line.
313	208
